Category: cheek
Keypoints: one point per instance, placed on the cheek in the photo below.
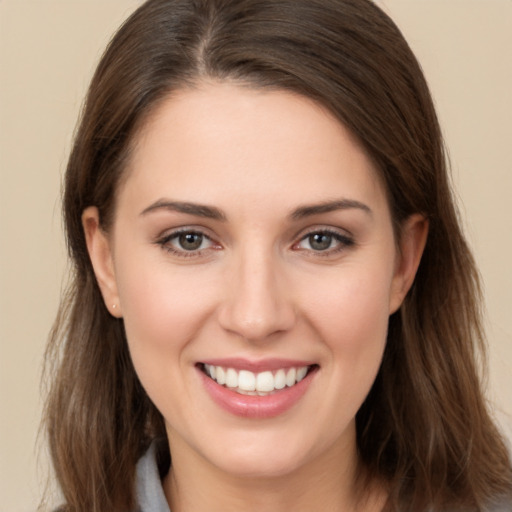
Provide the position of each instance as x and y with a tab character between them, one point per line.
352	318
163	308
350	315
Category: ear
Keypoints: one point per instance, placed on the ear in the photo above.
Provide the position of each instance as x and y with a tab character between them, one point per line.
100	253
411	245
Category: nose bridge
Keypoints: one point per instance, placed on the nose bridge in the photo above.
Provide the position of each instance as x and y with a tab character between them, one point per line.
257	302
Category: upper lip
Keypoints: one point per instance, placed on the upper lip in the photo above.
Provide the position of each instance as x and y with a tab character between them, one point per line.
256	366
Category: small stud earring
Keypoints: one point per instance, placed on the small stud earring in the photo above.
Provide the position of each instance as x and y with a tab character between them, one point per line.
114	306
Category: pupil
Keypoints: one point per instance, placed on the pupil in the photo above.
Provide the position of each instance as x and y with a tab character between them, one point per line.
190	241
320	241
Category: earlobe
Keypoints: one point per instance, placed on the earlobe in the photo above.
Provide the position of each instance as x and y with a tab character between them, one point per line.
100	254
412	244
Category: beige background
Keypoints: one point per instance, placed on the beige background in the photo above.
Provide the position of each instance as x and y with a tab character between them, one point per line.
48	50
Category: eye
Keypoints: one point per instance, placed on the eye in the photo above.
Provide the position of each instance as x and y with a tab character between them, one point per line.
320	241
186	242
324	241
190	241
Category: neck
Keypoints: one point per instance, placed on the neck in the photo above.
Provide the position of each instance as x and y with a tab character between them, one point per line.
329	482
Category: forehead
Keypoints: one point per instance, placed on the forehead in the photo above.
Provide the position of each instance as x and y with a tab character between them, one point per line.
223	138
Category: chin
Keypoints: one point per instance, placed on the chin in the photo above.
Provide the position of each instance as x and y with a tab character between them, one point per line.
260	466
255	457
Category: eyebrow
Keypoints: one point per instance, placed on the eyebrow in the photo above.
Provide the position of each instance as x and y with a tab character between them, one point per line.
329	206
211	212
199	210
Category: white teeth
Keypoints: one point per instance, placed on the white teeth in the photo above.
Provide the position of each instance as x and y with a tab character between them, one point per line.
290	376
244	392
279	379
246	380
301	373
249	383
220	375
231	378
265	381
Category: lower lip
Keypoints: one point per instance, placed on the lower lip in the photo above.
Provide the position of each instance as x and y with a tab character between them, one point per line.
256	407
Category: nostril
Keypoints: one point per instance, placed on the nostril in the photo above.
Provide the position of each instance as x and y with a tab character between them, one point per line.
257	324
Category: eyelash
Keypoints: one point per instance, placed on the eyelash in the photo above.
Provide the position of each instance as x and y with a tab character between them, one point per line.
165	243
343	242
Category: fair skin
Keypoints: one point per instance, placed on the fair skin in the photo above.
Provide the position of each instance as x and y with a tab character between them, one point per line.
252	233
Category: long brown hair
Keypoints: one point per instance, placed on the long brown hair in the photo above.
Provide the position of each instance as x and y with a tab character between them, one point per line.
424	429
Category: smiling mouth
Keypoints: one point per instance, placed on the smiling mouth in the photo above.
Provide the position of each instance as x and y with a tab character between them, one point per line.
263	383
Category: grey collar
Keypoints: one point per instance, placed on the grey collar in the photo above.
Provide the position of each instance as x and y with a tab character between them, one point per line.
150	494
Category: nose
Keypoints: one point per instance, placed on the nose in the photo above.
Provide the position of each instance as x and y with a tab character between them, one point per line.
257	302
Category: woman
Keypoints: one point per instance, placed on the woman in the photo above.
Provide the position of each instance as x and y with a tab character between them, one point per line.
271	284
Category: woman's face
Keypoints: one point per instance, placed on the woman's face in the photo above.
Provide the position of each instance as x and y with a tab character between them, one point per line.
253	241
